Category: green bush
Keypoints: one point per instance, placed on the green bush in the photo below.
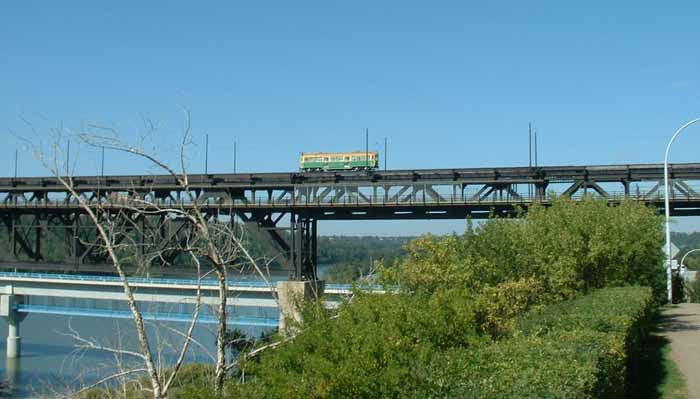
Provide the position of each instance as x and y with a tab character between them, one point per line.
194	381
570	247
370	350
496	308
692	289
583	348
428	346
522	367
460	294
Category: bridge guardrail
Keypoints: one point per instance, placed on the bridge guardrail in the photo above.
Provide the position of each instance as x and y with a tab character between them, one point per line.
144	280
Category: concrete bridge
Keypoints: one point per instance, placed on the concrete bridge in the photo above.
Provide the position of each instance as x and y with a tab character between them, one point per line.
19	293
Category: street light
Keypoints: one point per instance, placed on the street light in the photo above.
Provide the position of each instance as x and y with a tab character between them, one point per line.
669	285
686	254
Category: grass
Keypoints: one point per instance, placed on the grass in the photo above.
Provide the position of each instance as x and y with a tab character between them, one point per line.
657	375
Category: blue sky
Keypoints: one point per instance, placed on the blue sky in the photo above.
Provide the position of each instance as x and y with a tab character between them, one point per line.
451	84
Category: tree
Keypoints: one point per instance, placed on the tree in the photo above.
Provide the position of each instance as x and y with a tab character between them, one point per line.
116	218
571	247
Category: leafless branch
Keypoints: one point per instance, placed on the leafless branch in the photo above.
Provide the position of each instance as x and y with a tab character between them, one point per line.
106	379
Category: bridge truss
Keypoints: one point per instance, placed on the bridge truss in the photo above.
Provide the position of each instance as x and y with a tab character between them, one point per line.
282	210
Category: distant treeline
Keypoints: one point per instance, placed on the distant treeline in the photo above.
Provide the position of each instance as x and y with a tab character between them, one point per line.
351	256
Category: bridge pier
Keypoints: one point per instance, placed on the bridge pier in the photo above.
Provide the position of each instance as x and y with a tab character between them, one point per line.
292	295
14	340
8	309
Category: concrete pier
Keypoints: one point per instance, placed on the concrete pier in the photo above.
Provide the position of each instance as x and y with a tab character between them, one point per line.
8	309
12	368
292	295
14	340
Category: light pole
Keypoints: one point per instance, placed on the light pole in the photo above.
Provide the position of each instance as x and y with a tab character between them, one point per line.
385	152
680	265
669	284
102	171
235	154
367	148
206	155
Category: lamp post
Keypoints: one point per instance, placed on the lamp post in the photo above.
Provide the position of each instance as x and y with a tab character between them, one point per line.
669	284
686	254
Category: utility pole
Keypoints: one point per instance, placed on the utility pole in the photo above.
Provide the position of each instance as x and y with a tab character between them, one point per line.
103	162
235	154
16	156
68	159
386	156
206	155
529	154
529	151
536	148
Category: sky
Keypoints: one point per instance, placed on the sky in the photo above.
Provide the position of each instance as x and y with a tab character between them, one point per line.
449	84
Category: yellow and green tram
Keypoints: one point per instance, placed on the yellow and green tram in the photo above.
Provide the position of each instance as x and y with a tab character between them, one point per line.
356	160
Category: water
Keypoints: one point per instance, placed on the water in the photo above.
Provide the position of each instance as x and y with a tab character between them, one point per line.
50	362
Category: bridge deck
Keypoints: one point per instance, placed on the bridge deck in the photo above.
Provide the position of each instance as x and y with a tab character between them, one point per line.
602	173
393	194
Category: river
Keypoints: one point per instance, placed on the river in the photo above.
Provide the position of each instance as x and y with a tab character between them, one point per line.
50	361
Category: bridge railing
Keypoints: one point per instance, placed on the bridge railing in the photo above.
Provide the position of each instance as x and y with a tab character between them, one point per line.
91	278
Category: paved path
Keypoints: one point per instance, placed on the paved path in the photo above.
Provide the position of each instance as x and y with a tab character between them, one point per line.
681	325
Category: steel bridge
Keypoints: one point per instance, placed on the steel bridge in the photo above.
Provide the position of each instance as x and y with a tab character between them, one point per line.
285	208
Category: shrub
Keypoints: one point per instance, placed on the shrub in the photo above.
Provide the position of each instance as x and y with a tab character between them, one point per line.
570	247
194	381
460	294
692	289
522	367
497	307
370	350
581	348
435	346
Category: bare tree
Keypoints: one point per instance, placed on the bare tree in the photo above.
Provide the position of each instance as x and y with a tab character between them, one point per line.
207	238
